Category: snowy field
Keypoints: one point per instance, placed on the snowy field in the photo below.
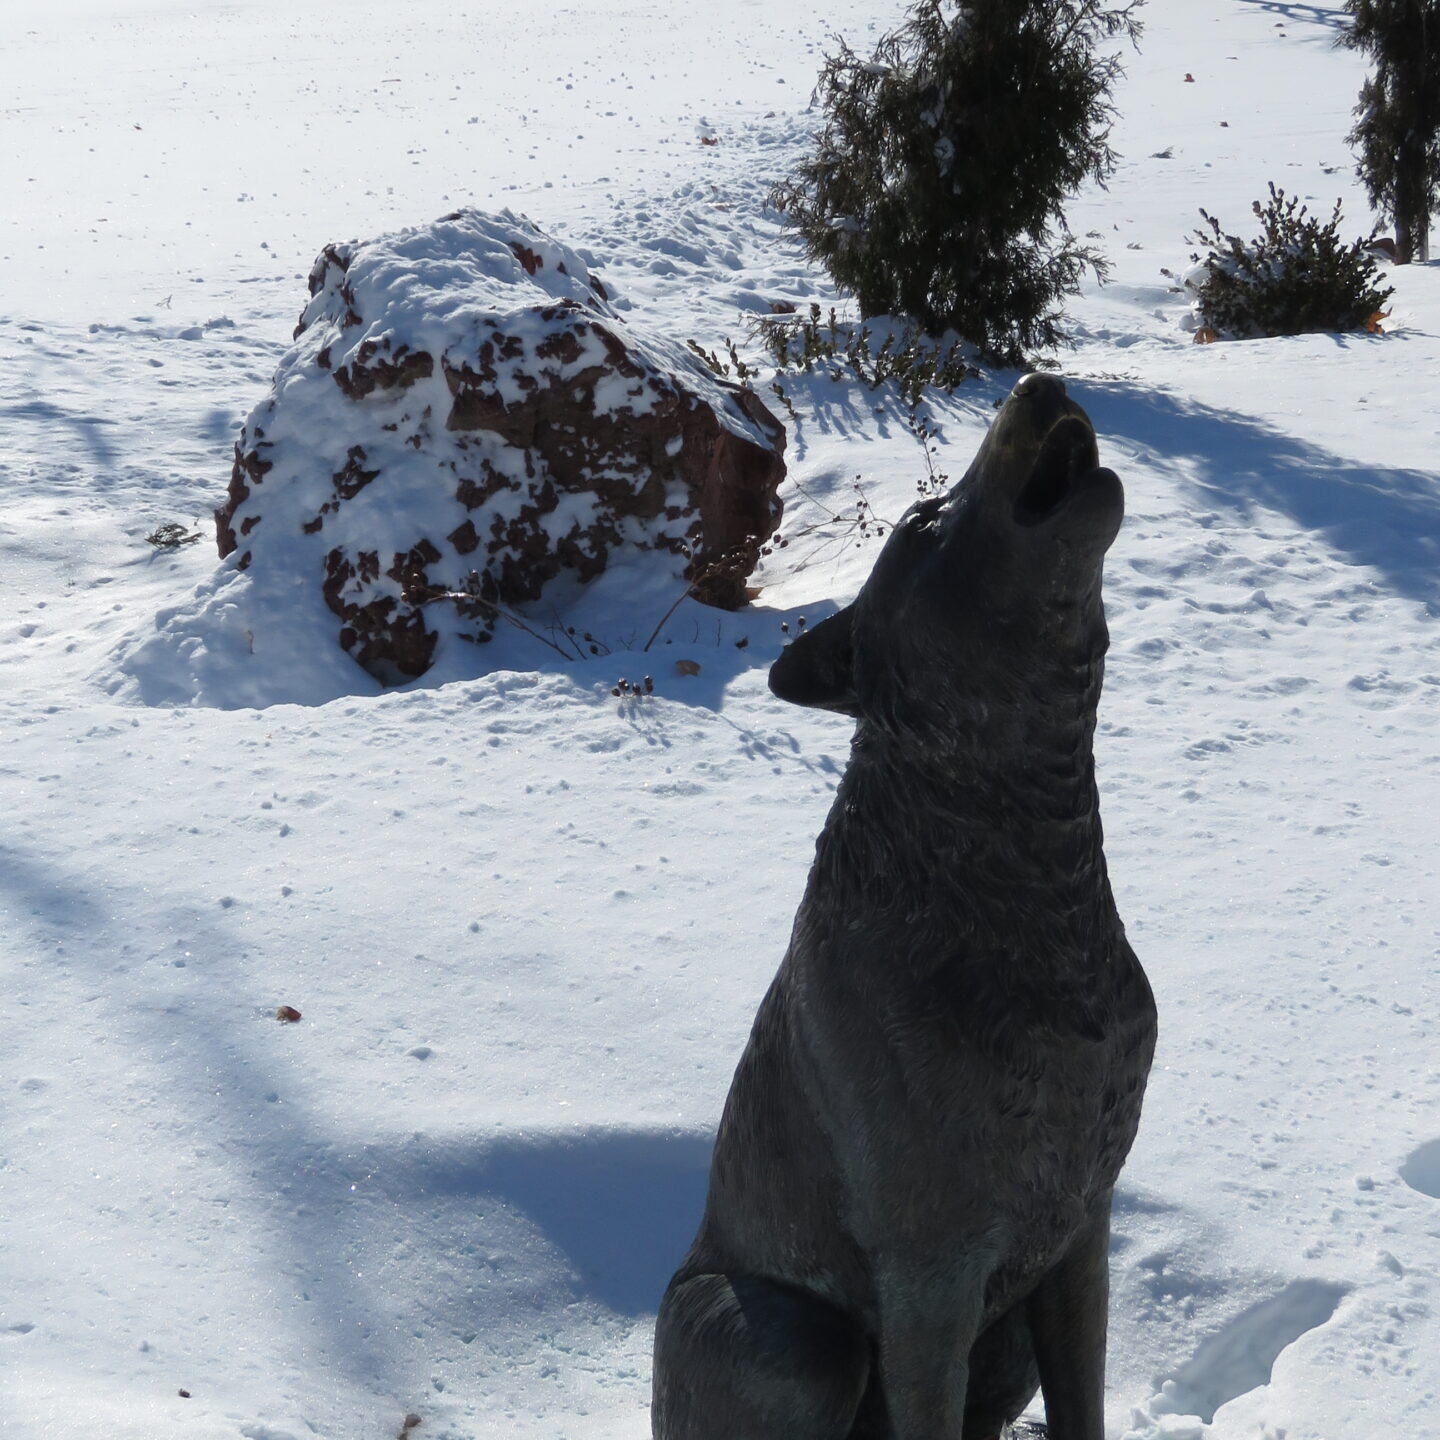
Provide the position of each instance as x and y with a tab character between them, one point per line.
526	924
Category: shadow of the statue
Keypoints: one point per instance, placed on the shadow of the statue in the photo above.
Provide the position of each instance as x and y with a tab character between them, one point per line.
621	1205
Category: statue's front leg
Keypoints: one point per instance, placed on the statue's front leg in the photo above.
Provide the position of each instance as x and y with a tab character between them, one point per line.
1067	1314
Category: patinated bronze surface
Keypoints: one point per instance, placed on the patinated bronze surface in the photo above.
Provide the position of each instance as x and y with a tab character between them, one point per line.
908	1218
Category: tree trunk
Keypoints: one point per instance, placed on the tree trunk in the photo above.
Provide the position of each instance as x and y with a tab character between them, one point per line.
1403	244
1412	200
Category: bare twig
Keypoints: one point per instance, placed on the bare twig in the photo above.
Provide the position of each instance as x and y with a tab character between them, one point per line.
498	612
654	634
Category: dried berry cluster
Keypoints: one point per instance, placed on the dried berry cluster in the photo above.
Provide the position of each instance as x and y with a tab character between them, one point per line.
913	360
632	690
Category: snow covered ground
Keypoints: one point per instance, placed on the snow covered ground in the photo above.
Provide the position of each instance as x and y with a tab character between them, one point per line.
526	923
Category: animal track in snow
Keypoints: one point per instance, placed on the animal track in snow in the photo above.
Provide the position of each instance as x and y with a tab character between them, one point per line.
1422	1170
1241	1356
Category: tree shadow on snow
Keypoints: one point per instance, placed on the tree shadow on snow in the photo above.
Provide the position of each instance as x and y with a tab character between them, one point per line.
846	408
619	1205
46	900
1333	17
216	1075
88	430
1387	519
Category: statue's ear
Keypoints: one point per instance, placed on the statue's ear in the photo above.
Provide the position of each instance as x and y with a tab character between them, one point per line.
818	669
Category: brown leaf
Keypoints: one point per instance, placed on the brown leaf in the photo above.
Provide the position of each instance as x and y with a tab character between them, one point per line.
288	1013
1373	324
1206	335
686	667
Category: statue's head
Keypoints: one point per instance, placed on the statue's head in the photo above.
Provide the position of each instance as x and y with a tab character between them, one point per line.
985	600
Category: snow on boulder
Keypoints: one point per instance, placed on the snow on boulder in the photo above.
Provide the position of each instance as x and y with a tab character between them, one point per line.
464	416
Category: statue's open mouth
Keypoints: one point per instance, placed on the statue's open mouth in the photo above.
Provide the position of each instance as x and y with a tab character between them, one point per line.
1068	454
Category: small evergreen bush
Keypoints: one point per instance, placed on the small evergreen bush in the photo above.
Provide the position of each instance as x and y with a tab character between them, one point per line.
1297	278
936	186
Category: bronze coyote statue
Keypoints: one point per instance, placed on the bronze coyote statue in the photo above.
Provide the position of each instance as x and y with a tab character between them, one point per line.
908	1219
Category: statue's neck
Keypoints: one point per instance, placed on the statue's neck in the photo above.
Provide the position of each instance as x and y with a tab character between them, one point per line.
1007	806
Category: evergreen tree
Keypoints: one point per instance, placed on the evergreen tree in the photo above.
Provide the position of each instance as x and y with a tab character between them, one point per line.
936	186
1397	127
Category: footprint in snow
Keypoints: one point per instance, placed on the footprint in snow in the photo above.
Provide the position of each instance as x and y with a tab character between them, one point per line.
1241	1356
1421	1171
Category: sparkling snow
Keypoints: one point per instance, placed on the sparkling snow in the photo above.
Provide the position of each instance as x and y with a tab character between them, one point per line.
526	922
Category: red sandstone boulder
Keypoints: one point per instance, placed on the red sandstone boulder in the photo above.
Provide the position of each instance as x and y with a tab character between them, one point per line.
464	416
